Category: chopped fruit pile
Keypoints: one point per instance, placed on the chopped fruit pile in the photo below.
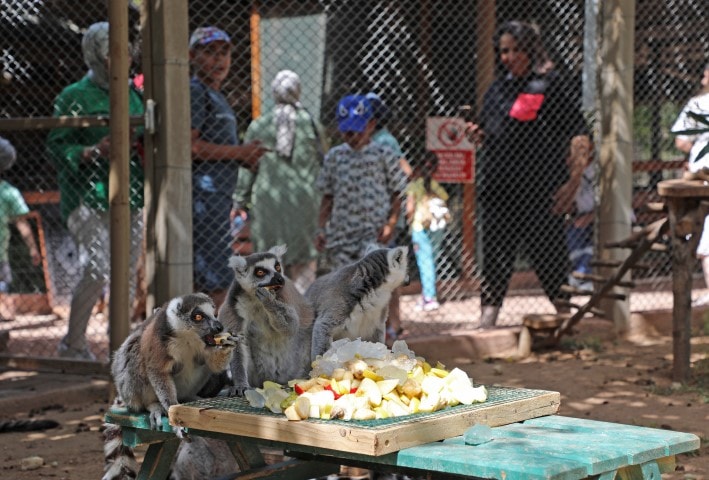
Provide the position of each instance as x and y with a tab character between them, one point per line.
357	380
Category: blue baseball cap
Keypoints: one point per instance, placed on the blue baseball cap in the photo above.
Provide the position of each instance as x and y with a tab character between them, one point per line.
205	35
353	113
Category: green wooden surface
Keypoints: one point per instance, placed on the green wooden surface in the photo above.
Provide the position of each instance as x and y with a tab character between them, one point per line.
126	418
552	447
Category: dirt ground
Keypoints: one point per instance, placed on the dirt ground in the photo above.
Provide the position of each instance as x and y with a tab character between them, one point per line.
598	375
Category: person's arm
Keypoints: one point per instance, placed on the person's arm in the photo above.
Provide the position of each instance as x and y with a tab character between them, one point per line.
23	226
326	204
247	154
410	207
579	154
387	231
683	144
70	148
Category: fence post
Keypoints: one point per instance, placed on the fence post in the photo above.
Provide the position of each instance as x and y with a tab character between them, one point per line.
119	176
169	175
616	138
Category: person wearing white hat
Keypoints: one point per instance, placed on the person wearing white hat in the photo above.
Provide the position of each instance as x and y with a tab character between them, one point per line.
291	169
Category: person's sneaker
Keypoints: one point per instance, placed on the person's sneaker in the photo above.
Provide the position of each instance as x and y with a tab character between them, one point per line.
65	351
430	305
426	305
701	301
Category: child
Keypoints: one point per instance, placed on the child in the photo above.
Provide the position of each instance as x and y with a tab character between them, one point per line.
360	181
426	213
12	207
579	231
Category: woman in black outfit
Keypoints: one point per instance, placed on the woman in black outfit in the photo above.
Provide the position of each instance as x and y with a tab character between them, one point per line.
529	125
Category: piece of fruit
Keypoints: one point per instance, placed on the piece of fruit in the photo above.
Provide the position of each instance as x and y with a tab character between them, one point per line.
386	386
302	406
222	338
368	388
292	414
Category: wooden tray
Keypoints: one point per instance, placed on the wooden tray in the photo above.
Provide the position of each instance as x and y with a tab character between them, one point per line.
371	437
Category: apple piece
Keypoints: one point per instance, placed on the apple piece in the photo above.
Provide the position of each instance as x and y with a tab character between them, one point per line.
431	384
364	414
417	374
382	411
292	414
386	386
370	374
344	386
368	388
302	406
414	405
396	408
391	371
343	407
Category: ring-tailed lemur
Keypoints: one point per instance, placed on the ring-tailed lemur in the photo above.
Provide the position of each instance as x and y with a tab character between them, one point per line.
272	316
166	361
353	301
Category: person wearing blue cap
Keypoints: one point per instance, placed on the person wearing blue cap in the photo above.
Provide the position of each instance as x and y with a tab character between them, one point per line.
361	182
216	156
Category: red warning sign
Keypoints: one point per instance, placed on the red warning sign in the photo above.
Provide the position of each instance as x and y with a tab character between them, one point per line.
456	154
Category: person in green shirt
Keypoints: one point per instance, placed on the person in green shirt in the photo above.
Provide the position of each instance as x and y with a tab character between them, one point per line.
80	156
12	210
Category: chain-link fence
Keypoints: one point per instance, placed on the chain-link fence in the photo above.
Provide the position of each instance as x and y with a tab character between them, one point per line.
424	60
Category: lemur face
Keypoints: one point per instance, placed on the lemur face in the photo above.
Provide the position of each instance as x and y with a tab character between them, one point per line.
194	312
259	270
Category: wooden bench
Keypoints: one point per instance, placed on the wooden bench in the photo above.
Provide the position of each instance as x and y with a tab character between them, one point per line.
546	447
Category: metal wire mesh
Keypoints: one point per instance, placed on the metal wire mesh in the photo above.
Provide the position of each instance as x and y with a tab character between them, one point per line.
424	59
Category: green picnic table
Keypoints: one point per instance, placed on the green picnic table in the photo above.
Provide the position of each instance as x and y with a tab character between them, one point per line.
546	447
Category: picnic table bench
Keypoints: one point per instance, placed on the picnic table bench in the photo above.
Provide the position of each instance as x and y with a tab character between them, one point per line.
545	447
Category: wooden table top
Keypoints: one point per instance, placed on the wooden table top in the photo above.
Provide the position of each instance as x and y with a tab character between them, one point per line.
234	416
681	187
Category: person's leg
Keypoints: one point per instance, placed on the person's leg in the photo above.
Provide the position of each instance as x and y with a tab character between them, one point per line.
90	230
548	253
498	243
423	250
136	286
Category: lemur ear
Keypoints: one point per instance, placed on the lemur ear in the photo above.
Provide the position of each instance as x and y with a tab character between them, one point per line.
174	307
279	250
237	262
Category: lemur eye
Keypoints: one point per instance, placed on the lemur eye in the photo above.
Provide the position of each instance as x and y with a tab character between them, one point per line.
259	272
197	317
278	267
